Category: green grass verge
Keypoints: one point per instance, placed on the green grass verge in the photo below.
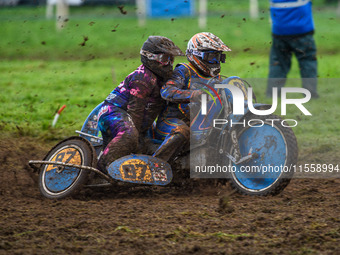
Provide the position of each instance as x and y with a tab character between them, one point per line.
42	69
26	34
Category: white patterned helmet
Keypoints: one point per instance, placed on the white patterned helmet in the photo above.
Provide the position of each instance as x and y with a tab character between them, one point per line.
205	53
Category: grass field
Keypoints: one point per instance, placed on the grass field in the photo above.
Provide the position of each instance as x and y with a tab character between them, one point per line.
42	69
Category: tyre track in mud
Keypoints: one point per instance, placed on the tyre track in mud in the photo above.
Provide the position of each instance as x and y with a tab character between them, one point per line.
303	219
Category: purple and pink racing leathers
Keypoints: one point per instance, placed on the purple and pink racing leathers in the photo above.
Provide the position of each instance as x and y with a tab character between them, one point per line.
127	112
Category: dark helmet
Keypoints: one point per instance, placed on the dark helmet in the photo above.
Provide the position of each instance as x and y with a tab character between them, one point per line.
158	53
205	53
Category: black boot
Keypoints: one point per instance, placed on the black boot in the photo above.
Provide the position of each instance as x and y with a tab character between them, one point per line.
170	146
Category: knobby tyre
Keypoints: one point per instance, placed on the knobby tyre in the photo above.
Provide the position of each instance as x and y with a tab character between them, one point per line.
55	181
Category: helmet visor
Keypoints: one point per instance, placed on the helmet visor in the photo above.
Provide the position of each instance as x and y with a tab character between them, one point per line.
212	57
163	58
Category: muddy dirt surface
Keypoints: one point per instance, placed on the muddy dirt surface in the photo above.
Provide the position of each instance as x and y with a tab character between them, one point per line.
303	219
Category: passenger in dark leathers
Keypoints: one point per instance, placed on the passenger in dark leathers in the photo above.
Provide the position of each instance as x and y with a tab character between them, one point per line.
130	109
205	54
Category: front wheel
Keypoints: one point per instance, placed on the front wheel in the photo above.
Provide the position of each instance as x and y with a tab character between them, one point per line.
55	181
271	170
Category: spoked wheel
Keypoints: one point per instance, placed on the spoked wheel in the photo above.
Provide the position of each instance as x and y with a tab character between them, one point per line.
271	170
57	181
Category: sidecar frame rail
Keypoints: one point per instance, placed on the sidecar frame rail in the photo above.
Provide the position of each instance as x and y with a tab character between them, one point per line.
32	164
99	139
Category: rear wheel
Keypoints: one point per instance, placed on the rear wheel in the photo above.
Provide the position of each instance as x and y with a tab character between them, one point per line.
277	151
57	181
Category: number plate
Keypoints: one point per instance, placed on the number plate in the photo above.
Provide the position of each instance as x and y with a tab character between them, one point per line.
141	169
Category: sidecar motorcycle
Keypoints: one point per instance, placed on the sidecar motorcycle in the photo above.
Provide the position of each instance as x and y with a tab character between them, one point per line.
71	164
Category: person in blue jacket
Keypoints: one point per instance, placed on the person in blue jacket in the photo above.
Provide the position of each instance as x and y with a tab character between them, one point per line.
292	32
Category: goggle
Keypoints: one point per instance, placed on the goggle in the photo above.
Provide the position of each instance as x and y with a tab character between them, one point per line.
212	57
163	58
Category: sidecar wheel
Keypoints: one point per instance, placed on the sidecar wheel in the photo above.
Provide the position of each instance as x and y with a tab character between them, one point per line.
277	153
55	181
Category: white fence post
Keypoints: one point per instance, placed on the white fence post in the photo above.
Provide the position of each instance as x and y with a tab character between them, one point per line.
254	9
62	13
141	12
49	9
202	14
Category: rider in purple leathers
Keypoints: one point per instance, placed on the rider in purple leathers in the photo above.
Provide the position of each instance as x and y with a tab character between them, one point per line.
205	54
131	108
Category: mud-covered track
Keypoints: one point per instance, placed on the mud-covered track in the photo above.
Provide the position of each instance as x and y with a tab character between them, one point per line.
303	219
